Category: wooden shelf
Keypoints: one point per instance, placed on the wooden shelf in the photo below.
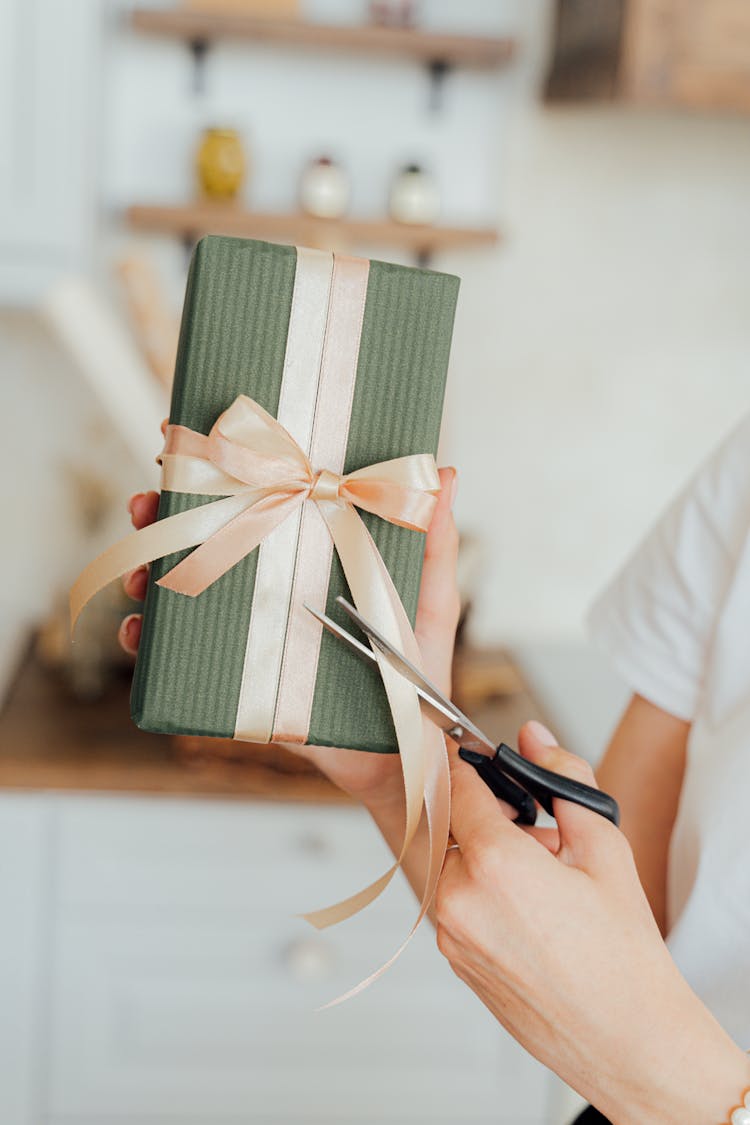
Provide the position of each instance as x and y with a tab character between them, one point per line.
425	46
191	221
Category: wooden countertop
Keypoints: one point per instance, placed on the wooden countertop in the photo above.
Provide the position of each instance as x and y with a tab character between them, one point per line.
50	741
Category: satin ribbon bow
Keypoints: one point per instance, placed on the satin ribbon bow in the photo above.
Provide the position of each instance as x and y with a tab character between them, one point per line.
249	455
263	476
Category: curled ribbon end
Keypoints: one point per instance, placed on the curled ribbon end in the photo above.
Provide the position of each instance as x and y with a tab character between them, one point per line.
73	617
76	601
330	1004
169	582
316	918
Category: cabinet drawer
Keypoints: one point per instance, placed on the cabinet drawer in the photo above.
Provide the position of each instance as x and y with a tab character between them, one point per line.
192	855
210	1020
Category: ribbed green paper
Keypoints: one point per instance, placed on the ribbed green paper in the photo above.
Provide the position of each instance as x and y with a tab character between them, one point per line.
232	341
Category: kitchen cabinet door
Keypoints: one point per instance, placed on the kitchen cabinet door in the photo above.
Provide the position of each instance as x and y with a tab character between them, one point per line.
185	989
24	949
48	70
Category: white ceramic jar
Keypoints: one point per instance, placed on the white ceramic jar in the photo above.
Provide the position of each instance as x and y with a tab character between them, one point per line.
414	196
324	189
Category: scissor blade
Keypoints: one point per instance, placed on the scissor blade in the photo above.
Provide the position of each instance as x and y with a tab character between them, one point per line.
443	718
462	730
340	632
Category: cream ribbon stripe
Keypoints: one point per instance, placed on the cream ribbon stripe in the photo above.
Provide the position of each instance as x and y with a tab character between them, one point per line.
277	554
338	375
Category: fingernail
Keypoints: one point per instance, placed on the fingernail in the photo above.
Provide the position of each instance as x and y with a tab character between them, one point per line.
128	628
132	500
541	733
135	580
454	487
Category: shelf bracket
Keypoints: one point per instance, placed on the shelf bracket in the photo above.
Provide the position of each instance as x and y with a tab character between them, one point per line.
438	70
199	49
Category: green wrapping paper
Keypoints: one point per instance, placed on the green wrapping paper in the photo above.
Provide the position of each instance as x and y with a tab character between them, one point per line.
233	341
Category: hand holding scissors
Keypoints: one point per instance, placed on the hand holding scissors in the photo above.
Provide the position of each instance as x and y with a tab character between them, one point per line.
509	776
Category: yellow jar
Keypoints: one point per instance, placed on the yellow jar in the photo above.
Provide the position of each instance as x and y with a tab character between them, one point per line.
220	163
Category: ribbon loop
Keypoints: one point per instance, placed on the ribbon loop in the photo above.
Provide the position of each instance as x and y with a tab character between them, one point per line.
251	451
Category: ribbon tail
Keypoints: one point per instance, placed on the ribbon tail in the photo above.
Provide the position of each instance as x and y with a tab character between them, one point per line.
422	748
230	543
437	809
404	702
376	598
330	915
175	533
437	790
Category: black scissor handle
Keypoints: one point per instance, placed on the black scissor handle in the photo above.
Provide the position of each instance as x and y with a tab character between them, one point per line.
502	786
538	784
544	784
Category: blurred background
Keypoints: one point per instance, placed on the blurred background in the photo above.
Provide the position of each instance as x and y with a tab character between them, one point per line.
583	165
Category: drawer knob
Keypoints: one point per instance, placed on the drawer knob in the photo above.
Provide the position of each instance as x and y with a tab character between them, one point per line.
314	843
309	958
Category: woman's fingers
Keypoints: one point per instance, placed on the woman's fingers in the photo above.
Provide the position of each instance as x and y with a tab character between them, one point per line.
549	838
437	612
129	634
134	583
477	821
540	746
143	508
580	830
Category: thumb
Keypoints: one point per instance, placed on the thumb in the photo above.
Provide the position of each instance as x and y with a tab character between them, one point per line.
581	831
438	609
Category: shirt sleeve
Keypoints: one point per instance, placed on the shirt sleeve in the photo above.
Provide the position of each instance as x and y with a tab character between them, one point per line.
657	618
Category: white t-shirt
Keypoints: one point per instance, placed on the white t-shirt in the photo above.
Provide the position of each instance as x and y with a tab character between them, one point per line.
676	623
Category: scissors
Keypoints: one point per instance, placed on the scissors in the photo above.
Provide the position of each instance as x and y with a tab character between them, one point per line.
510	777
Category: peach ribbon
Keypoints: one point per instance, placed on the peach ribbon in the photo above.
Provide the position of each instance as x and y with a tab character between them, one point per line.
263	476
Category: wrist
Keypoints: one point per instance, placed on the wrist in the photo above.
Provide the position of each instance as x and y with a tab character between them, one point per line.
696	1077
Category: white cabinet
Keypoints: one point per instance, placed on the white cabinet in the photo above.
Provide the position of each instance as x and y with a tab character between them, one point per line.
48	120
183	988
24	954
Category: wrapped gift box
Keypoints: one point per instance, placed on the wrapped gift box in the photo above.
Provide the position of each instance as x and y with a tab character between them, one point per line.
351	357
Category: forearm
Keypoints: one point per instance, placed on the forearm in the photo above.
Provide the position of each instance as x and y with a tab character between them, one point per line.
643	768
688	1072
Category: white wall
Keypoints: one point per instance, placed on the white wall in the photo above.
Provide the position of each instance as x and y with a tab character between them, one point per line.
601	354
